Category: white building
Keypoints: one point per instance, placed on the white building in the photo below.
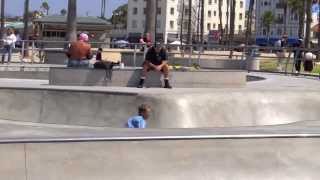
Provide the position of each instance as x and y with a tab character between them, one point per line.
277	28
170	17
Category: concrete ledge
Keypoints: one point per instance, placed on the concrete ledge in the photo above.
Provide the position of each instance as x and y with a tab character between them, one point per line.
130	78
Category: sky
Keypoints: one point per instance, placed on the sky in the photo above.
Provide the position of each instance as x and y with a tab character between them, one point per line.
91	7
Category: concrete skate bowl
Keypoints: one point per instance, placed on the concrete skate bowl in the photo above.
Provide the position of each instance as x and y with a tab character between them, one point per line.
217	108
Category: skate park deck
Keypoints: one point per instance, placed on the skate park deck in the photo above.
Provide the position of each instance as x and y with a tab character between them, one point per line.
266	130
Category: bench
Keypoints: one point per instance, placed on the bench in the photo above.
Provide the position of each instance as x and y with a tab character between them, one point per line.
130	77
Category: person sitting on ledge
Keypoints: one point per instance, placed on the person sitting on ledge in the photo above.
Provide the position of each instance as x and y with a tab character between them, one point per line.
79	52
140	120
156	60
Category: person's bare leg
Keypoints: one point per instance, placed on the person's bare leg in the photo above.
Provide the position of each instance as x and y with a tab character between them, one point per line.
144	72
165	70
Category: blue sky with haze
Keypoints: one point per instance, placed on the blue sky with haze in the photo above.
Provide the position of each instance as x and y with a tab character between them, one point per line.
92	7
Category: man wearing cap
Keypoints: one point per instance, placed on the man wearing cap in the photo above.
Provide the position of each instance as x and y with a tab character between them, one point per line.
79	52
156	60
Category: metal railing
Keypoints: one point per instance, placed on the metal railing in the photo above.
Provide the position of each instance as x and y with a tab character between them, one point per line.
191	53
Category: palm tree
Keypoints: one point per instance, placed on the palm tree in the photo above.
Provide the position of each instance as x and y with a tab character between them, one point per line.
308	23
72	21
46	7
189	38
284	4
25	29
232	23
227	14
220	18
151	12
181	23
267	20
2	31
298	7
249	21
202	22
103	8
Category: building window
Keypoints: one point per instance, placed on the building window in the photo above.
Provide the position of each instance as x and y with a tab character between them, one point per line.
172	11
240	28
172	24
208	26
210	2
135	11
144	10
209	14
214	13
159	11
134	24
214	26
158	24
240	16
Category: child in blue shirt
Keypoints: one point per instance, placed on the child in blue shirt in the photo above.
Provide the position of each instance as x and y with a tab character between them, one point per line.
139	121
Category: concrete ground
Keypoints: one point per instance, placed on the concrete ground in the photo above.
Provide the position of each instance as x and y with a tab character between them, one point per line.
273	82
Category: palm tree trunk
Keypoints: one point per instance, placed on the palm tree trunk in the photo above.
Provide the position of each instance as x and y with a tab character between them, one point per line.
26	28
308	23
189	22
2	31
249	22
232	24
285	13
151	19
318	33
202	22
103	8
220	20
72	21
227	23
198	21
302	16
181	23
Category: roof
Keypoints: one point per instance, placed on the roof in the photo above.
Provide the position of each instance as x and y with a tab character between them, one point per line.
80	20
16	25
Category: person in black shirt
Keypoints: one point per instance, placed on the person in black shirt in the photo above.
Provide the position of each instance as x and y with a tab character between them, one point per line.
156	60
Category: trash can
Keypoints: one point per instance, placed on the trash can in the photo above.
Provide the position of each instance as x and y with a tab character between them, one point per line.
253	63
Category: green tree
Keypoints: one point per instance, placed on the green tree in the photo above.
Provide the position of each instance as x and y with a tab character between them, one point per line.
72	21
267	20
63	12
119	16
45	6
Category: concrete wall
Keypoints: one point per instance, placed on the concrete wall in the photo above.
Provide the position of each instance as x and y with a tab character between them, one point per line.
131	77
172	110
228	159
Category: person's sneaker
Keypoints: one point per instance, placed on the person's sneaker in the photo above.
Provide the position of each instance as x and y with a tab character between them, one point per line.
167	84
141	83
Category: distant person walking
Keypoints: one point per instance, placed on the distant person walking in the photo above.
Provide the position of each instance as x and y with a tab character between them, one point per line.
79	52
281	52
9	43
156	60
298	56
139	121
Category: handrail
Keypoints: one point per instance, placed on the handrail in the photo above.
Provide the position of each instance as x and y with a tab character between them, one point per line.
157	138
